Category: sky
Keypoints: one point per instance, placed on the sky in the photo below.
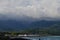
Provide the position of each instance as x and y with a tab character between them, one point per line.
31	8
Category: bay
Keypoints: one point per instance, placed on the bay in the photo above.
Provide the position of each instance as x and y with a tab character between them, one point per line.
46	38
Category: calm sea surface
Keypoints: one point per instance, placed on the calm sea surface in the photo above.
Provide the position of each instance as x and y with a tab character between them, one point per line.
46	38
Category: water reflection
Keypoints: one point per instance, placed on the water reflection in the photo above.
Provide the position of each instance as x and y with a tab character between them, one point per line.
51	38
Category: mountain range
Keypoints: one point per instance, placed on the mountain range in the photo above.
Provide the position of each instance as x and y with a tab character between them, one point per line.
14	25
24	22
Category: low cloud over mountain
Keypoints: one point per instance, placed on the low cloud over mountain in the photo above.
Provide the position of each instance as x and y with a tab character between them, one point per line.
39	9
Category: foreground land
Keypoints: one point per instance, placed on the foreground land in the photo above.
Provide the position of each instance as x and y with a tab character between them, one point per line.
52	31
38	31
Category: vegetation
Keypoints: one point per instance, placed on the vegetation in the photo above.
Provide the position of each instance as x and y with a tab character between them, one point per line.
41	31
48	31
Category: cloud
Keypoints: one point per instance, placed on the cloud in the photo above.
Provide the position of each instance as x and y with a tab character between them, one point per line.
31	8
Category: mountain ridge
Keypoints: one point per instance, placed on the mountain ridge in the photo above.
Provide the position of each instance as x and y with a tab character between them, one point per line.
13	25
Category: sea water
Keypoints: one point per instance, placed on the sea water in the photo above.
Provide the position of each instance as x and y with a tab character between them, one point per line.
46	38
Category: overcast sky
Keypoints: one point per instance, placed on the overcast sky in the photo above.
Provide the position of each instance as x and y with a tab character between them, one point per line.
31	8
